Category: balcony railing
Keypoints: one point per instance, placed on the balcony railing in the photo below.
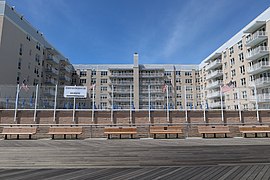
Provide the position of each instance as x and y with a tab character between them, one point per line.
213	94
65	78
261	98
265	81
257	52
256	38
259	67
213	64
214	84
121	83
152	83
151	75
51	81
215	105
214	74
151	91
52	71
121	75
53	59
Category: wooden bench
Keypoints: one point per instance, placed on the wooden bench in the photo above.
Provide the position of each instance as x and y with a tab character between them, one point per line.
19	131
213	130
254	130
165	130
120	130
65	131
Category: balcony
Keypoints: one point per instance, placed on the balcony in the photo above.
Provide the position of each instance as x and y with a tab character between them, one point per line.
120	99
52	71
121	75
152	75
255	38
121	83
261	98
146	83
213	65
259	67
215	105
51	82
257	52
53	59
152	91
214	94
214	74
261	82
215	84
65	78
146	99
65	68
120	91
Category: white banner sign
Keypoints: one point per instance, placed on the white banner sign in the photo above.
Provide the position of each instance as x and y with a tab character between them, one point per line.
75	92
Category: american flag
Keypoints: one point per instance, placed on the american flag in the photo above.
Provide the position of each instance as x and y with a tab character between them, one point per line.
164	89
227	87
93	86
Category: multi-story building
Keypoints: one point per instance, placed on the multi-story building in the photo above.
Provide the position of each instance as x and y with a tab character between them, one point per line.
244	62
28	58
128	86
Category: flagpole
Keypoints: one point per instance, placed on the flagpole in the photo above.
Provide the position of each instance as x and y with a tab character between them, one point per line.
55	99
130	104
93	103
221	104
35	113
168	112
186	112
239	107
112	106
256	97
204	104
74	106
16	102
149	104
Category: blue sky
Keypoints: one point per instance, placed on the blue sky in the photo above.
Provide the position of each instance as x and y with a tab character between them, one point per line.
161	31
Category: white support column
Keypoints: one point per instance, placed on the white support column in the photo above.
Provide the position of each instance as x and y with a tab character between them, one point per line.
257	107
16	102
239	105
221	105
149	103
186	111
112	106
168	112
36	100
93	102
130	104
74	107
55	104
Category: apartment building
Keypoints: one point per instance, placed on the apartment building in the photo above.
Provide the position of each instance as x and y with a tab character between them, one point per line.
28	58
125	86
244	62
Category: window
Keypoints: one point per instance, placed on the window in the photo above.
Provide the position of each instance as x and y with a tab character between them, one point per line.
241	57
38	46
235	106
198	80
104	73
103	81
245	106
94	73
240	45
234	84
178	96
198	88
103	88
226	75
188	80
244	94
18	77
189	96
188	88
178	88
83	73
103	96
188	73
21	49
232	61
178	73
28	37
83	81
243	81
19	63
242	69
167	73
235	96
103	105
225	65
224	54
231	51
178	103
178	80
93	81
233	72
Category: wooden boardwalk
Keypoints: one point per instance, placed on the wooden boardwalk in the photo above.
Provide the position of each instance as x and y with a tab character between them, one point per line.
232	158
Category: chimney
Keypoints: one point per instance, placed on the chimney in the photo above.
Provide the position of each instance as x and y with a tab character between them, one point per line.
136	59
